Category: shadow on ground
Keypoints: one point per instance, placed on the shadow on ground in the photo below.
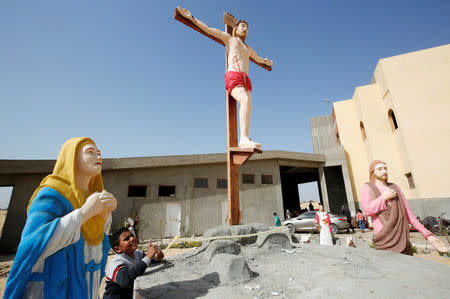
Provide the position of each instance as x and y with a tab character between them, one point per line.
165	265
187	289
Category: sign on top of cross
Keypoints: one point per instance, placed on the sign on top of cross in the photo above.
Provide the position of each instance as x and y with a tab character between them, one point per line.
237	81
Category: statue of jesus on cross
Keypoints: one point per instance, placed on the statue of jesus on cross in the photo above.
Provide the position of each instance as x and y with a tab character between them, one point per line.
237	82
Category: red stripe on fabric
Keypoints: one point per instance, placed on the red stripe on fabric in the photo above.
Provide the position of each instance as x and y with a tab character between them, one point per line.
115	272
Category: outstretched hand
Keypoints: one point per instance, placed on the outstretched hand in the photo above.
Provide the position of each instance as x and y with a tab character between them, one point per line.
159	255
151	250
438	244
185	13
268	62
154	253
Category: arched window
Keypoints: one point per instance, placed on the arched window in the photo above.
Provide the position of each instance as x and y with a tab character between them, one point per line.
336	134
392	120
363	132
338	139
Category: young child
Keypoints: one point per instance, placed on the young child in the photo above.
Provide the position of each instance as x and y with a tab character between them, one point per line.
361	222
128	264
277	219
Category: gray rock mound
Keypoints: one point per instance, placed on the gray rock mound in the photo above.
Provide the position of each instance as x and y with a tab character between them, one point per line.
222	230
275	241
232	269
236	230
239	230
221	246
259	227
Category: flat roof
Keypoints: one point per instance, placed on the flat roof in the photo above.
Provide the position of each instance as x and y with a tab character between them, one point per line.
46	166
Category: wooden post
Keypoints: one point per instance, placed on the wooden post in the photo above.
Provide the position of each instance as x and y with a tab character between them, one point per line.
235	156
232	168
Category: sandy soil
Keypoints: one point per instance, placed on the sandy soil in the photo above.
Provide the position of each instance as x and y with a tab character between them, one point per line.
6	262
435	257
2	219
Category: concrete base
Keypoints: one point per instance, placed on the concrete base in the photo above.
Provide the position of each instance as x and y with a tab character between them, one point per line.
312	271
232	269
221	246
309	271
275	241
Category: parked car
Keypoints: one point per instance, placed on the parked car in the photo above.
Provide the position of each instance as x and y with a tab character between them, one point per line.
305	223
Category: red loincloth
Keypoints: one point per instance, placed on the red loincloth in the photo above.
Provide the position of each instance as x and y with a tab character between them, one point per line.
233	79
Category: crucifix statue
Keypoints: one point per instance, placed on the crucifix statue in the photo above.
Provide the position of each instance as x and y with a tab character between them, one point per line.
239	87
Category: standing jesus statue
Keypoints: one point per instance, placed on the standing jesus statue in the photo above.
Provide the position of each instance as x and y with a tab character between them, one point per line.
237	82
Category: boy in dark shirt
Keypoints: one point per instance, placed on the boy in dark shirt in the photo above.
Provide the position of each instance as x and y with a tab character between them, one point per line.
128	264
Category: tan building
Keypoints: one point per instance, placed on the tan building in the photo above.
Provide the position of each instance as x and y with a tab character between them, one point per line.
402	118
186	194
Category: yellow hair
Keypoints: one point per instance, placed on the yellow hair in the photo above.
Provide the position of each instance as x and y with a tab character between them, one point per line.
63	180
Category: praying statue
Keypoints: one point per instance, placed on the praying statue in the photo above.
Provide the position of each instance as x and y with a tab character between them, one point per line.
64	248
237	81
391	213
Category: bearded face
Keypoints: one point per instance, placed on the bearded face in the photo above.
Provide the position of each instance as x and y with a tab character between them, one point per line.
241	30
380	172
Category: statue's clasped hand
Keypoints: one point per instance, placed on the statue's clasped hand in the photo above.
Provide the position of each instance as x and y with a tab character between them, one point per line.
109	204
98	203
389	194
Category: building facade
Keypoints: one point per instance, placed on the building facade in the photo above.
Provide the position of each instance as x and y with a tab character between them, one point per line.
401	118
183	195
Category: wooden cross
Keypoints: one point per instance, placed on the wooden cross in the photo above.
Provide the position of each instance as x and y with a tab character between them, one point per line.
235	156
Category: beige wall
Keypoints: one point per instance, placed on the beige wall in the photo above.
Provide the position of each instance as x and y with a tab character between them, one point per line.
201	209
416	86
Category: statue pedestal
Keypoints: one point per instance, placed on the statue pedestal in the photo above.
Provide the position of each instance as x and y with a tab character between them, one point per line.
240	155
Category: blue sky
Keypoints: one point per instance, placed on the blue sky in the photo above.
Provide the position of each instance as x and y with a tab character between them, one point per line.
140	83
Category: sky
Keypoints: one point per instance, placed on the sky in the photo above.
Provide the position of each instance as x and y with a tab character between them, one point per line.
140	83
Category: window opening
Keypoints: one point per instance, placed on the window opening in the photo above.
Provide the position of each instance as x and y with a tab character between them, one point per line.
266	179
222	184
392	120
363	131
411	183
200	182
137	191
248	179
166	191
5	198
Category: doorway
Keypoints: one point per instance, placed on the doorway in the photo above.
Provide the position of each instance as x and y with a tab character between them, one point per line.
291	178
337	195
5	198
173	219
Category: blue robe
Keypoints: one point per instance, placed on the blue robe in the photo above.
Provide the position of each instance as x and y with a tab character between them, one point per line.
65	272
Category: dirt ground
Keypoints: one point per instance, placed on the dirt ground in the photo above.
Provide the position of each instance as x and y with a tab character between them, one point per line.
435	257
2	219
